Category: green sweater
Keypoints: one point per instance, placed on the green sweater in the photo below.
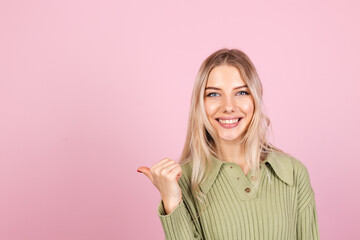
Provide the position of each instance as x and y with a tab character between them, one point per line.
280	209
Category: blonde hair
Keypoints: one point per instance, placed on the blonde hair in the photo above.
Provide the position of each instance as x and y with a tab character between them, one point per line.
202	140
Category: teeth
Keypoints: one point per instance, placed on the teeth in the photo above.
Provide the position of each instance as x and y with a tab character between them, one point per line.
228	121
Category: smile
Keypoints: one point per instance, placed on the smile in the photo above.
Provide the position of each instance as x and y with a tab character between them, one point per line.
228	123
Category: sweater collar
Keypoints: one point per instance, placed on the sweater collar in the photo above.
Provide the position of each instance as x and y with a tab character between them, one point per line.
280	163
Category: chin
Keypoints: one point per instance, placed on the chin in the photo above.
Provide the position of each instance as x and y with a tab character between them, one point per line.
229	137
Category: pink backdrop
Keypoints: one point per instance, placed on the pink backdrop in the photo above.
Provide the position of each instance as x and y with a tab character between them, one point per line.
91	90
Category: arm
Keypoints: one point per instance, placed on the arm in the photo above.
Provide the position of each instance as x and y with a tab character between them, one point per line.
307	224
168	177
178	224
307	220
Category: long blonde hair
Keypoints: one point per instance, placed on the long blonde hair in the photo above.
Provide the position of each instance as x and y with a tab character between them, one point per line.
201	140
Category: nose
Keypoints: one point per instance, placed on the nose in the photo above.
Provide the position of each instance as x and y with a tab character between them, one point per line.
229	104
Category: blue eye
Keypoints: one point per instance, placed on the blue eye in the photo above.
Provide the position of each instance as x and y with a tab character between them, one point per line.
209	95
246	93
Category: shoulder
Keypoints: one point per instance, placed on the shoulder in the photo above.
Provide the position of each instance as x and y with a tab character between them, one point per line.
301	173
289	168
297	166
305	192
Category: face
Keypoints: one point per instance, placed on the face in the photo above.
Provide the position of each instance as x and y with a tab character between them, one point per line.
227	99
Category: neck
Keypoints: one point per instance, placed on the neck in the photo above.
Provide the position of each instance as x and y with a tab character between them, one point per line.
232	151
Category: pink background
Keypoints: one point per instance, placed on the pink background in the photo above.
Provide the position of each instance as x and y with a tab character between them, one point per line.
91	90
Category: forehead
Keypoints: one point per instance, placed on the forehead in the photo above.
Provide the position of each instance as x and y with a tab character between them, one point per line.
225	75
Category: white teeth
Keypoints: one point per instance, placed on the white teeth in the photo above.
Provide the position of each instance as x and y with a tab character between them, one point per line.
229	121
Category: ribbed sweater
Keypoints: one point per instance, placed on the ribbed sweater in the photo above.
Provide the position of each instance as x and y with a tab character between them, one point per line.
281	208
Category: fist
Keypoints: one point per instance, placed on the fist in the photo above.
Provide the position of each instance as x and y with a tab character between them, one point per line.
165	175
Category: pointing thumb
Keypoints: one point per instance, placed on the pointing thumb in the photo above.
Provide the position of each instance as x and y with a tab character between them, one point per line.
146	171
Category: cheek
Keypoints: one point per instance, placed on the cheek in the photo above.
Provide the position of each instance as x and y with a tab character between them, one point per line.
210	109
247	107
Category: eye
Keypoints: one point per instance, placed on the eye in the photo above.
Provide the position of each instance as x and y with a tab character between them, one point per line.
246	93
210	94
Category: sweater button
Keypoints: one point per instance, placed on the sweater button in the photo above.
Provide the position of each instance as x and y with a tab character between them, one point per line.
247	190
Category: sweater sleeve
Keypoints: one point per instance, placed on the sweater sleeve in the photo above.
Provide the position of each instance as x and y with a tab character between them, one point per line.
307	220
178	224
307	223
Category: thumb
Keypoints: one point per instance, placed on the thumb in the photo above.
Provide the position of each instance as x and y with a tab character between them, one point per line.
146	171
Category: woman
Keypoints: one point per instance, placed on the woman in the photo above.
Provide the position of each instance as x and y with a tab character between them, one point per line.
231	183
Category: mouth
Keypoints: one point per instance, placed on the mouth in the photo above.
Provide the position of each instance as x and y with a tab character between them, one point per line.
229	123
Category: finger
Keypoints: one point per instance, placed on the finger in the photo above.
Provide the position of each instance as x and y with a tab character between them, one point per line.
168	164
146	171
171	165
176	172
161	162
158	169
168	169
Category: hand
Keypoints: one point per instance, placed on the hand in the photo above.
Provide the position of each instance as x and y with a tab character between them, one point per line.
165	175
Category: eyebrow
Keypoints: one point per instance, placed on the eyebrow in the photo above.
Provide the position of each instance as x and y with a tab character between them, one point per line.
215	88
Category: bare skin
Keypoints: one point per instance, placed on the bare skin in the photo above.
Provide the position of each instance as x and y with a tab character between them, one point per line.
231	98
165	175
224	101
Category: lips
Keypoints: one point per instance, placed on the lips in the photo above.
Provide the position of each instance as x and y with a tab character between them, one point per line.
217	119
229	125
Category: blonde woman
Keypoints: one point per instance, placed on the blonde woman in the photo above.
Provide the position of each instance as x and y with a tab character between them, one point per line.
230	182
